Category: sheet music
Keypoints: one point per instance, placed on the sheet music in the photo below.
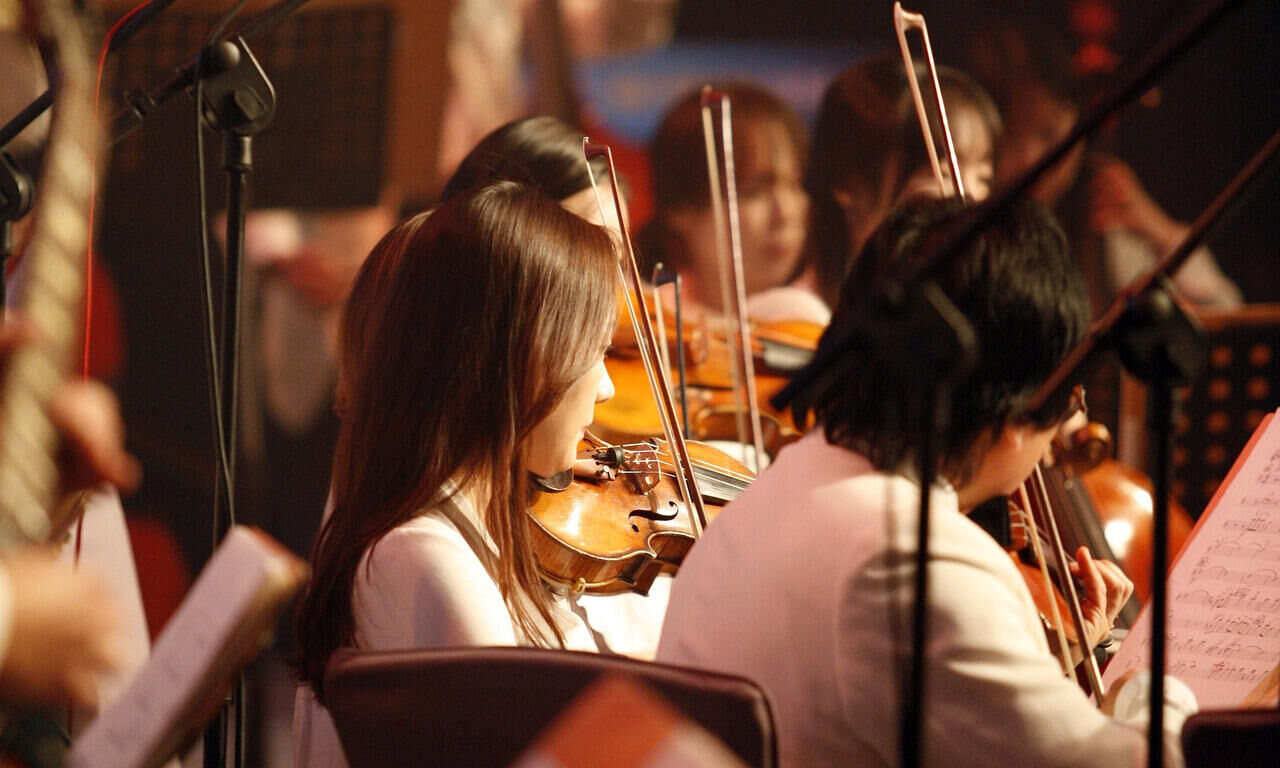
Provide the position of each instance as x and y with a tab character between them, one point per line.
1224	588
187	659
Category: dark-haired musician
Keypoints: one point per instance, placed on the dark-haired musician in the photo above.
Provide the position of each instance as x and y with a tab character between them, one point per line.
805	582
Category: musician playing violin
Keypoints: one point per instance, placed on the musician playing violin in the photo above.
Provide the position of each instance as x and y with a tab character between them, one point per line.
868	156
770	150
805	584
481	329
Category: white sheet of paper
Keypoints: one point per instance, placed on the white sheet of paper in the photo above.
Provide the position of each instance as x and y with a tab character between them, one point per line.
1224	588
161	696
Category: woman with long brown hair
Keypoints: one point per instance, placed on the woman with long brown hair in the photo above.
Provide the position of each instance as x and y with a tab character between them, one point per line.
868	156
481	330
770	150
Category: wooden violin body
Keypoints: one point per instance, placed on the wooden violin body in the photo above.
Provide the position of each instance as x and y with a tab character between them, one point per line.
778	348
1051	605
1121	496
615	528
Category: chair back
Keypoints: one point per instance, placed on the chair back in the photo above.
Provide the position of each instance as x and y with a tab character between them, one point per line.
1240	738
484	706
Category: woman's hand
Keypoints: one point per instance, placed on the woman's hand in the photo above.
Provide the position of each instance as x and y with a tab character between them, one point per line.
1118	199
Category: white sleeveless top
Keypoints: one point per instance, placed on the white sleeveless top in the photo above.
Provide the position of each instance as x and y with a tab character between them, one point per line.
428	584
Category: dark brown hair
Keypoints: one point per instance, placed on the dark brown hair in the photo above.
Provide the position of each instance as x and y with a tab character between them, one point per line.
477	318
867	144
678	158
542	152
1015	283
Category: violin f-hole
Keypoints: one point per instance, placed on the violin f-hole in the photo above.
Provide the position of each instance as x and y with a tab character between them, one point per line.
656	513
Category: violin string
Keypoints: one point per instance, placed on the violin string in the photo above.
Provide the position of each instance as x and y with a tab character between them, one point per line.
703	472
707	468
737	481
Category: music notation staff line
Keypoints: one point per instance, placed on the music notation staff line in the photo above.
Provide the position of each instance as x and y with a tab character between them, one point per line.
1241	598
1257	524
1222	671
1264	577
1234	649
1268	500
1250	550
1257	626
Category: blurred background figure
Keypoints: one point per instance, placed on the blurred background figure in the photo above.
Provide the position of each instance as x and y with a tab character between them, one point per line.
869	155
302	266
770	151
1094	191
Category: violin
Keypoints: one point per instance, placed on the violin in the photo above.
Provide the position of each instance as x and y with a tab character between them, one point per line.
626	512
708	405
711	412
1102	505
620	520
726	384
1108	508
777	347
1051	606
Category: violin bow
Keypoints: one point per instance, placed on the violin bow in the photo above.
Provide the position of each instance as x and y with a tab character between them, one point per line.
1068	587
1037	549
903	21
638	309
733	288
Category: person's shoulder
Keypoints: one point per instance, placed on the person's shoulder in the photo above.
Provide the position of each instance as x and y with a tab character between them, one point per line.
788	303
834	479
428	543
425	529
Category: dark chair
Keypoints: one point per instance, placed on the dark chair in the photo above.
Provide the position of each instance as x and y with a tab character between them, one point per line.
484	706
1240	738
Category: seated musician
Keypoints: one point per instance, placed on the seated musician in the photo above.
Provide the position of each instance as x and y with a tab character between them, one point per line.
868	155
770	148
482	327
546	154
805	583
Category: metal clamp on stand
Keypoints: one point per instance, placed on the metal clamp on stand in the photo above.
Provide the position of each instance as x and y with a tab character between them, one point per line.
15	202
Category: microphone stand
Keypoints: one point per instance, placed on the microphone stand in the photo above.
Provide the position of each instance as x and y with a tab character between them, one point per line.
15	202
238	101
1163	346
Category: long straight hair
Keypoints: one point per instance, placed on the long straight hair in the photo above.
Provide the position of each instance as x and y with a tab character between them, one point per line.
678	160
867	144
474	320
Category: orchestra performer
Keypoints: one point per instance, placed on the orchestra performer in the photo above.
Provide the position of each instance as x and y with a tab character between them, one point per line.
482	360
804	583
868	156
770	150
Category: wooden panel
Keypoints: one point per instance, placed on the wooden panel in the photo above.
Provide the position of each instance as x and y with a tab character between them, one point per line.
418	81
1240	384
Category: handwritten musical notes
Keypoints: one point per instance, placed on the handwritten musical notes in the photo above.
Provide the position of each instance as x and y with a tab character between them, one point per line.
1224	589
